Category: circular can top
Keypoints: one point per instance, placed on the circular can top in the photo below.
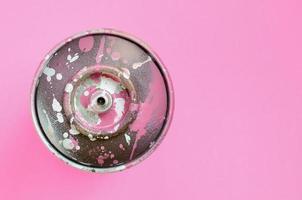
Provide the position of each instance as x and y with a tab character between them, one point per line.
102	101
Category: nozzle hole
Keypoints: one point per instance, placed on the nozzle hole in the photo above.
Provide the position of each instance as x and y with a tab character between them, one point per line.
101	101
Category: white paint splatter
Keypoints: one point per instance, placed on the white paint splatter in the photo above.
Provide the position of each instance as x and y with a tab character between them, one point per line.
110	85
119	108
73	58
56	105
128	138
86	93
68	88
71	120
68	144
91	137
73	131
49	72
139	64
59	76
60	117
65	135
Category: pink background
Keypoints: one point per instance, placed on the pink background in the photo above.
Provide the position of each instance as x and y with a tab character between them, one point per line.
236	68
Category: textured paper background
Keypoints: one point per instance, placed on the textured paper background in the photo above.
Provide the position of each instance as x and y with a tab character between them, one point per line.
236	67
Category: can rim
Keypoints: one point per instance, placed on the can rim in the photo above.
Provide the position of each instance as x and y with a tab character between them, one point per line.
163	71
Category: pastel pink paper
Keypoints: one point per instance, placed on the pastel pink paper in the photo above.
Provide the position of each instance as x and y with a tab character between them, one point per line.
236	67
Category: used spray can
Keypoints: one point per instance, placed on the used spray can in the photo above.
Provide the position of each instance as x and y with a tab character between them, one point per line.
102	101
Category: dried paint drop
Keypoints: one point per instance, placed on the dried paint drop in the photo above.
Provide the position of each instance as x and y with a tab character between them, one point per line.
49	72
56	105
100	160
68	144
65	135
73	58
128	139
60	117
74	131
68	88
59	76
86	43
86	93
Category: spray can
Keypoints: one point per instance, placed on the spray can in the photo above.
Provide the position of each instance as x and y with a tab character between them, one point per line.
102	101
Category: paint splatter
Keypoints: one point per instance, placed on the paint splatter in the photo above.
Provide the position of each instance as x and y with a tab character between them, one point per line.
139	64
121	146
128	138
65	135
100	53
68	88
59	76
73	130
119	108
100	160
73	58
56	105
49	72
86	93
60	117
86	43
110	85
68	144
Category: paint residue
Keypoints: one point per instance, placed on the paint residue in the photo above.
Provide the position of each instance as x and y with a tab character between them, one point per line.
68	88
73	58
139	64
86	43
153	108
100	53
128	138
56	105
49	72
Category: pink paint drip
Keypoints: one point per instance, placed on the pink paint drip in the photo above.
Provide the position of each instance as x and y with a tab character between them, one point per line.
121	146
100	51
86	43
153	108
